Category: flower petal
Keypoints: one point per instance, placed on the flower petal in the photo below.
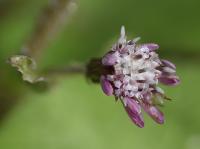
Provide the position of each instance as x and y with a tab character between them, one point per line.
136	39
137	119
133	109
132	104
159	90
122	38
109	59
154	113
168	64
169	70
151	46
106	86
133	41
169	80
148	97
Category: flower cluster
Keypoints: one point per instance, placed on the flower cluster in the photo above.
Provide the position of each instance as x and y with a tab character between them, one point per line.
137	70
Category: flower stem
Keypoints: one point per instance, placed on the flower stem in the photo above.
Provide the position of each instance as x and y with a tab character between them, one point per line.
48	25
71	69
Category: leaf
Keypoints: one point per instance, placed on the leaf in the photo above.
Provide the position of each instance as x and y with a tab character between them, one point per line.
27	67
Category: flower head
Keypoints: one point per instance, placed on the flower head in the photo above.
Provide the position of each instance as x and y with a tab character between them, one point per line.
136	72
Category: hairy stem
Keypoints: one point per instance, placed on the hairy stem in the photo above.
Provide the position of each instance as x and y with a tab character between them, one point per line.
71	69
48	25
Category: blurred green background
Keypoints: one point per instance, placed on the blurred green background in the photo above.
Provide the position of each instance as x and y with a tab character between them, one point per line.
75	114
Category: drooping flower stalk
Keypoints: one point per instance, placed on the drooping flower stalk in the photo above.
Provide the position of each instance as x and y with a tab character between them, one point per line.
131	72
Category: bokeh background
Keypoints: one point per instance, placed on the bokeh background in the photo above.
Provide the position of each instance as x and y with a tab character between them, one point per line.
75	114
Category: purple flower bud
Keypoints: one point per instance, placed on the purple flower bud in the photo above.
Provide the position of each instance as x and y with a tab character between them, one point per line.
154	113
133	109
106	86
137	119
169	80
109	59
148	97
132	104
168	70
168	64
151	46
